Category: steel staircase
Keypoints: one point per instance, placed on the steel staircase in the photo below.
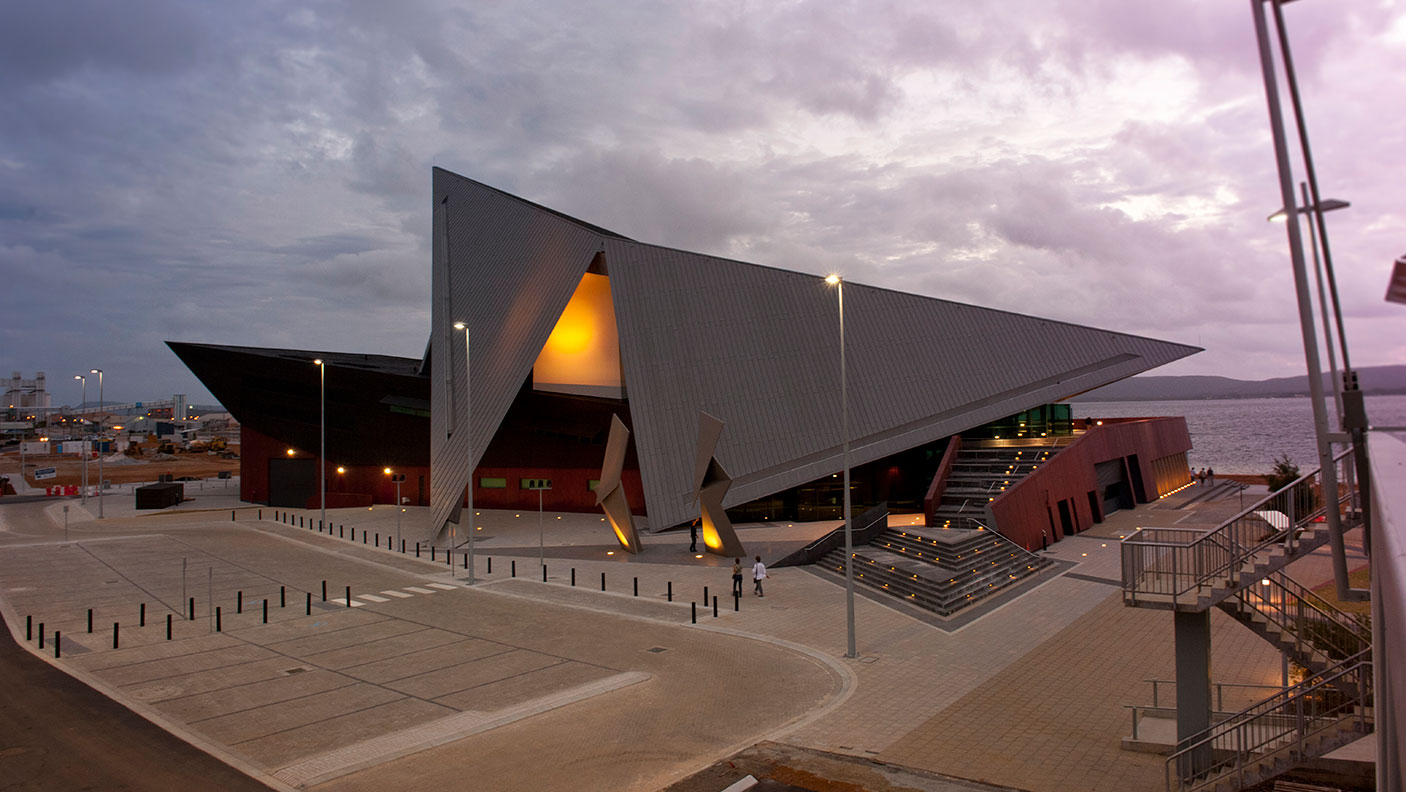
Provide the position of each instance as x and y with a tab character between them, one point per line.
1237	568
979	475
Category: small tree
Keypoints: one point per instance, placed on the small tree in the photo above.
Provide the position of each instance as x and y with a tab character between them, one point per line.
1284	473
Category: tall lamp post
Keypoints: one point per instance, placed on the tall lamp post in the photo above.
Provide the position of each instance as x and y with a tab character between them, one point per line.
469	429
397	478
84	498
839	284
322	448
99	372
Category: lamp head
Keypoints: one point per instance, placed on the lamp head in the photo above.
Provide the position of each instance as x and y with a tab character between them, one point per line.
387	471
832	279
459	325
317	361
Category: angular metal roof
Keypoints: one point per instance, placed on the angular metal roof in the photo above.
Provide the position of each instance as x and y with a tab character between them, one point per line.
756	346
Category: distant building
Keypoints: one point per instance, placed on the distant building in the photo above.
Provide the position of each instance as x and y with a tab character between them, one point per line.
23	394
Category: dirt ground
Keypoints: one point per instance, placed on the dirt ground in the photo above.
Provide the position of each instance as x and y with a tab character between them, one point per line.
70	468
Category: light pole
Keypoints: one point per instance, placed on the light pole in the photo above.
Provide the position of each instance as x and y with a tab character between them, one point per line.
397	478
469	429
99	372
839	284
84	497
322	448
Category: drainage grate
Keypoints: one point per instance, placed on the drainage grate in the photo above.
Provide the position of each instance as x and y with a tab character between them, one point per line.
657	649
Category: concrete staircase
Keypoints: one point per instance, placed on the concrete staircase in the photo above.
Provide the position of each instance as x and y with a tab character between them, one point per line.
941	571
978	476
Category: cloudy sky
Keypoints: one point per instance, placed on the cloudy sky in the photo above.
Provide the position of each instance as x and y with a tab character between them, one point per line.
258	173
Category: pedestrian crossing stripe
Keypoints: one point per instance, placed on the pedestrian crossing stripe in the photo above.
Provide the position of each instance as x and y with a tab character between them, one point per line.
372	598
397	594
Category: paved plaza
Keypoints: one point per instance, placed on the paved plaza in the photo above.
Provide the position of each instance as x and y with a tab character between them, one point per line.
519	684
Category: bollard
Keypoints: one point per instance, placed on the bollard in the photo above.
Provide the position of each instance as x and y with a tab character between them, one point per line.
715	606
417	549
261	514
114	635
266	610
637	587
705	596
231	515
41	635
192	609
490	563
308	610
694	610
300	521
736	602
402	547
671	591
348	596
342	532
514	567
168	626
141	620
432	551
90	620
324	591
238	602
57	635
282	597
378	539
602	581
29	628
217	619
544	573
363	535
573	576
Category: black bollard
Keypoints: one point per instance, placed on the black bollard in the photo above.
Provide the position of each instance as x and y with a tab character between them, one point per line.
378	538
715	606
231	515
217	619
282	597
29	628
141	620
90	620
363	536
417	549
490	563
705	596
41	635
514	567
402	546
342	532
573	576
348	596
261	514
307	611
671	591
736	602
114	635
168	626
324	591
266	611
694	610
602	581
637	587
544	573
432	551
238	602
192	609
57	636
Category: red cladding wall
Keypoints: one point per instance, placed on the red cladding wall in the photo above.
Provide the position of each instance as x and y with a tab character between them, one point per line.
1029	510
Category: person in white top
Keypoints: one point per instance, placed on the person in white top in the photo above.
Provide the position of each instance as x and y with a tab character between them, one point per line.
758	575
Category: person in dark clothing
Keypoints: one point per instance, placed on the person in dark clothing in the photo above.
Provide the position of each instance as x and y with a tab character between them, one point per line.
736	577
693	537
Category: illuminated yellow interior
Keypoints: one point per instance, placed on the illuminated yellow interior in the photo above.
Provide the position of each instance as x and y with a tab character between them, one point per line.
582	355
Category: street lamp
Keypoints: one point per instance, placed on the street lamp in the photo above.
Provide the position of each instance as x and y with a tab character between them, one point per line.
99	372
322	451
470	442
397	478
839	284
84	498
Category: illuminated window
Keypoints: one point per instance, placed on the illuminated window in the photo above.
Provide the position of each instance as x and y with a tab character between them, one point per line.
582	355
485	482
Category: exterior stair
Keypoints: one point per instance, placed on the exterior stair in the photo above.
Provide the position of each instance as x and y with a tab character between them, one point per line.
941	571
978	475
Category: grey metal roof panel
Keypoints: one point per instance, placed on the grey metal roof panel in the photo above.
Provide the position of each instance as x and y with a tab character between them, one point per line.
759	348
507	267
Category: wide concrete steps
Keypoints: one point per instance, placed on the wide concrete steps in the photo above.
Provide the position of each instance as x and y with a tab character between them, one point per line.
938	571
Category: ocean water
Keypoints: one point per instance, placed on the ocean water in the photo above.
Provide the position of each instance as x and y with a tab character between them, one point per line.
1247	435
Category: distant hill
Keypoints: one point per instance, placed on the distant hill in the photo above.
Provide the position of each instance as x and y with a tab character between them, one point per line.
1373	379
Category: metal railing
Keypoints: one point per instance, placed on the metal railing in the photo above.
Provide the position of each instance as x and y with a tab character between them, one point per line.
1312	622
1283	725
1178	563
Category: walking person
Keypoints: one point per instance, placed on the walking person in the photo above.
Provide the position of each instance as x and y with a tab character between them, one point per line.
736	577
758	575
1211	476
693	537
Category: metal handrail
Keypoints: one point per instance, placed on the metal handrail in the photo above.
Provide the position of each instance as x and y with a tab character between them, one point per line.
1281	723
1156	563
1312	621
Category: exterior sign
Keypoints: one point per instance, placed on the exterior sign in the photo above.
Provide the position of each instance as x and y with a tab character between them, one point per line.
536	484
45	473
